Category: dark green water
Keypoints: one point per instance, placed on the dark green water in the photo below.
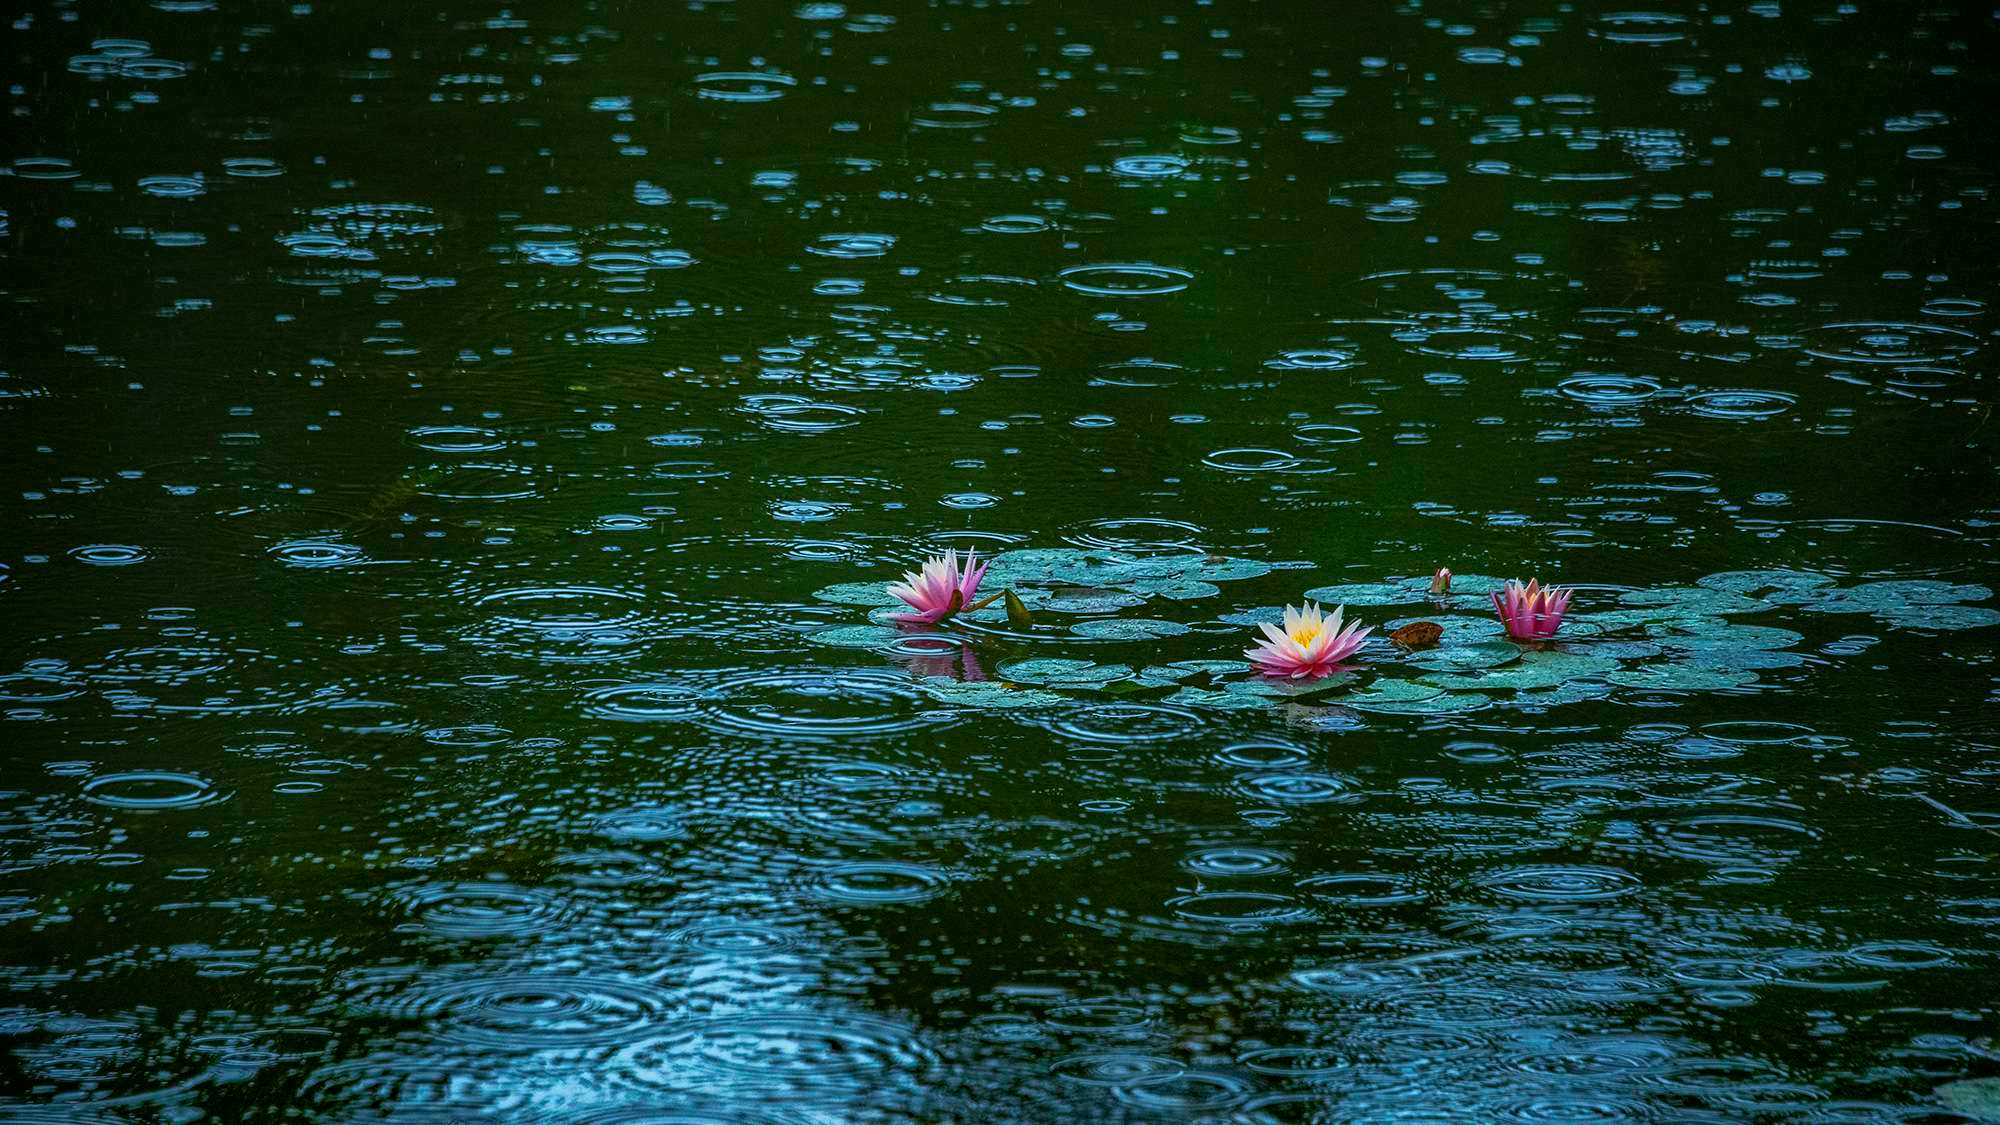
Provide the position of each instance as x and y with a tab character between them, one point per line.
442	443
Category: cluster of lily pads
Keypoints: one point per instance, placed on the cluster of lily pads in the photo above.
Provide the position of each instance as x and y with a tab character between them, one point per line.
1662	639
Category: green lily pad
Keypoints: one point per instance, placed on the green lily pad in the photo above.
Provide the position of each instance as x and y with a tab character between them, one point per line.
1537	668
857	593
1222	699
1458	629
1369	593
1695	600
1465	658
1072	674
1740	659
1942	618
1621	620
1278	687
1127	629
1779	587
1442	704
1625	650
1716	634
1575	691
856	636
1262	615
1387	690
1094	601
1681	677
1186	590
1216	668
989	695
1977	1098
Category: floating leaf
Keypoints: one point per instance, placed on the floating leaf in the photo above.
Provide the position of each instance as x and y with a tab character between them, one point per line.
1739	659
1575	691
1418	634
1053	672
857	636
1386	690
1537	668
1440	704
989	694
1127	629
1184	591
1486	654
1695	600
1221	700
1942	618
1977	1098
1294	689
1212	667
1680	677
1716	634
1263	615
1092	601
857	593
1779	587
1371	593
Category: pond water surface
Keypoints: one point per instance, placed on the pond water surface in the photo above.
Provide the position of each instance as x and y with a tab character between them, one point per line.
453	454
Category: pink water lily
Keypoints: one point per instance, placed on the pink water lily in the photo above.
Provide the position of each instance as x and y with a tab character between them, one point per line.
1309	646
1533	612
941	590
1441	582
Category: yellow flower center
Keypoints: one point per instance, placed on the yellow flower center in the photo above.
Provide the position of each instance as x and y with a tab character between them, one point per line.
1305	634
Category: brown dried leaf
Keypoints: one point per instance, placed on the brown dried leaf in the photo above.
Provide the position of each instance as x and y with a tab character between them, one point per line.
1418	634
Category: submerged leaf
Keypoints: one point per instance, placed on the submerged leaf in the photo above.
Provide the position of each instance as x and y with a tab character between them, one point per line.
1017	614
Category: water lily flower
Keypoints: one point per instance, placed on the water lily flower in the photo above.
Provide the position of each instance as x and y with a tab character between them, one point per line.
1533	612
1309	646
942	589
1441	582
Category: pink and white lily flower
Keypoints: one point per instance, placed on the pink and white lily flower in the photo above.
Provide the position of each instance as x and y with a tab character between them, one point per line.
942	589
1309	646
1533	612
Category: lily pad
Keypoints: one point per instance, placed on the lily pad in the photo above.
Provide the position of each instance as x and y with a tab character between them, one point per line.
1262	615
1072	674
1681	677
1183	591
1740	659
1942	618
1127	629
1441	704
1779	587
1210	667
989	694
1695	600
1977	1098
857	593
1715	634
1387	690
1536	669
1370	593
1277	687
1575	691
1463	658
857	636
1222	700
1093	601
